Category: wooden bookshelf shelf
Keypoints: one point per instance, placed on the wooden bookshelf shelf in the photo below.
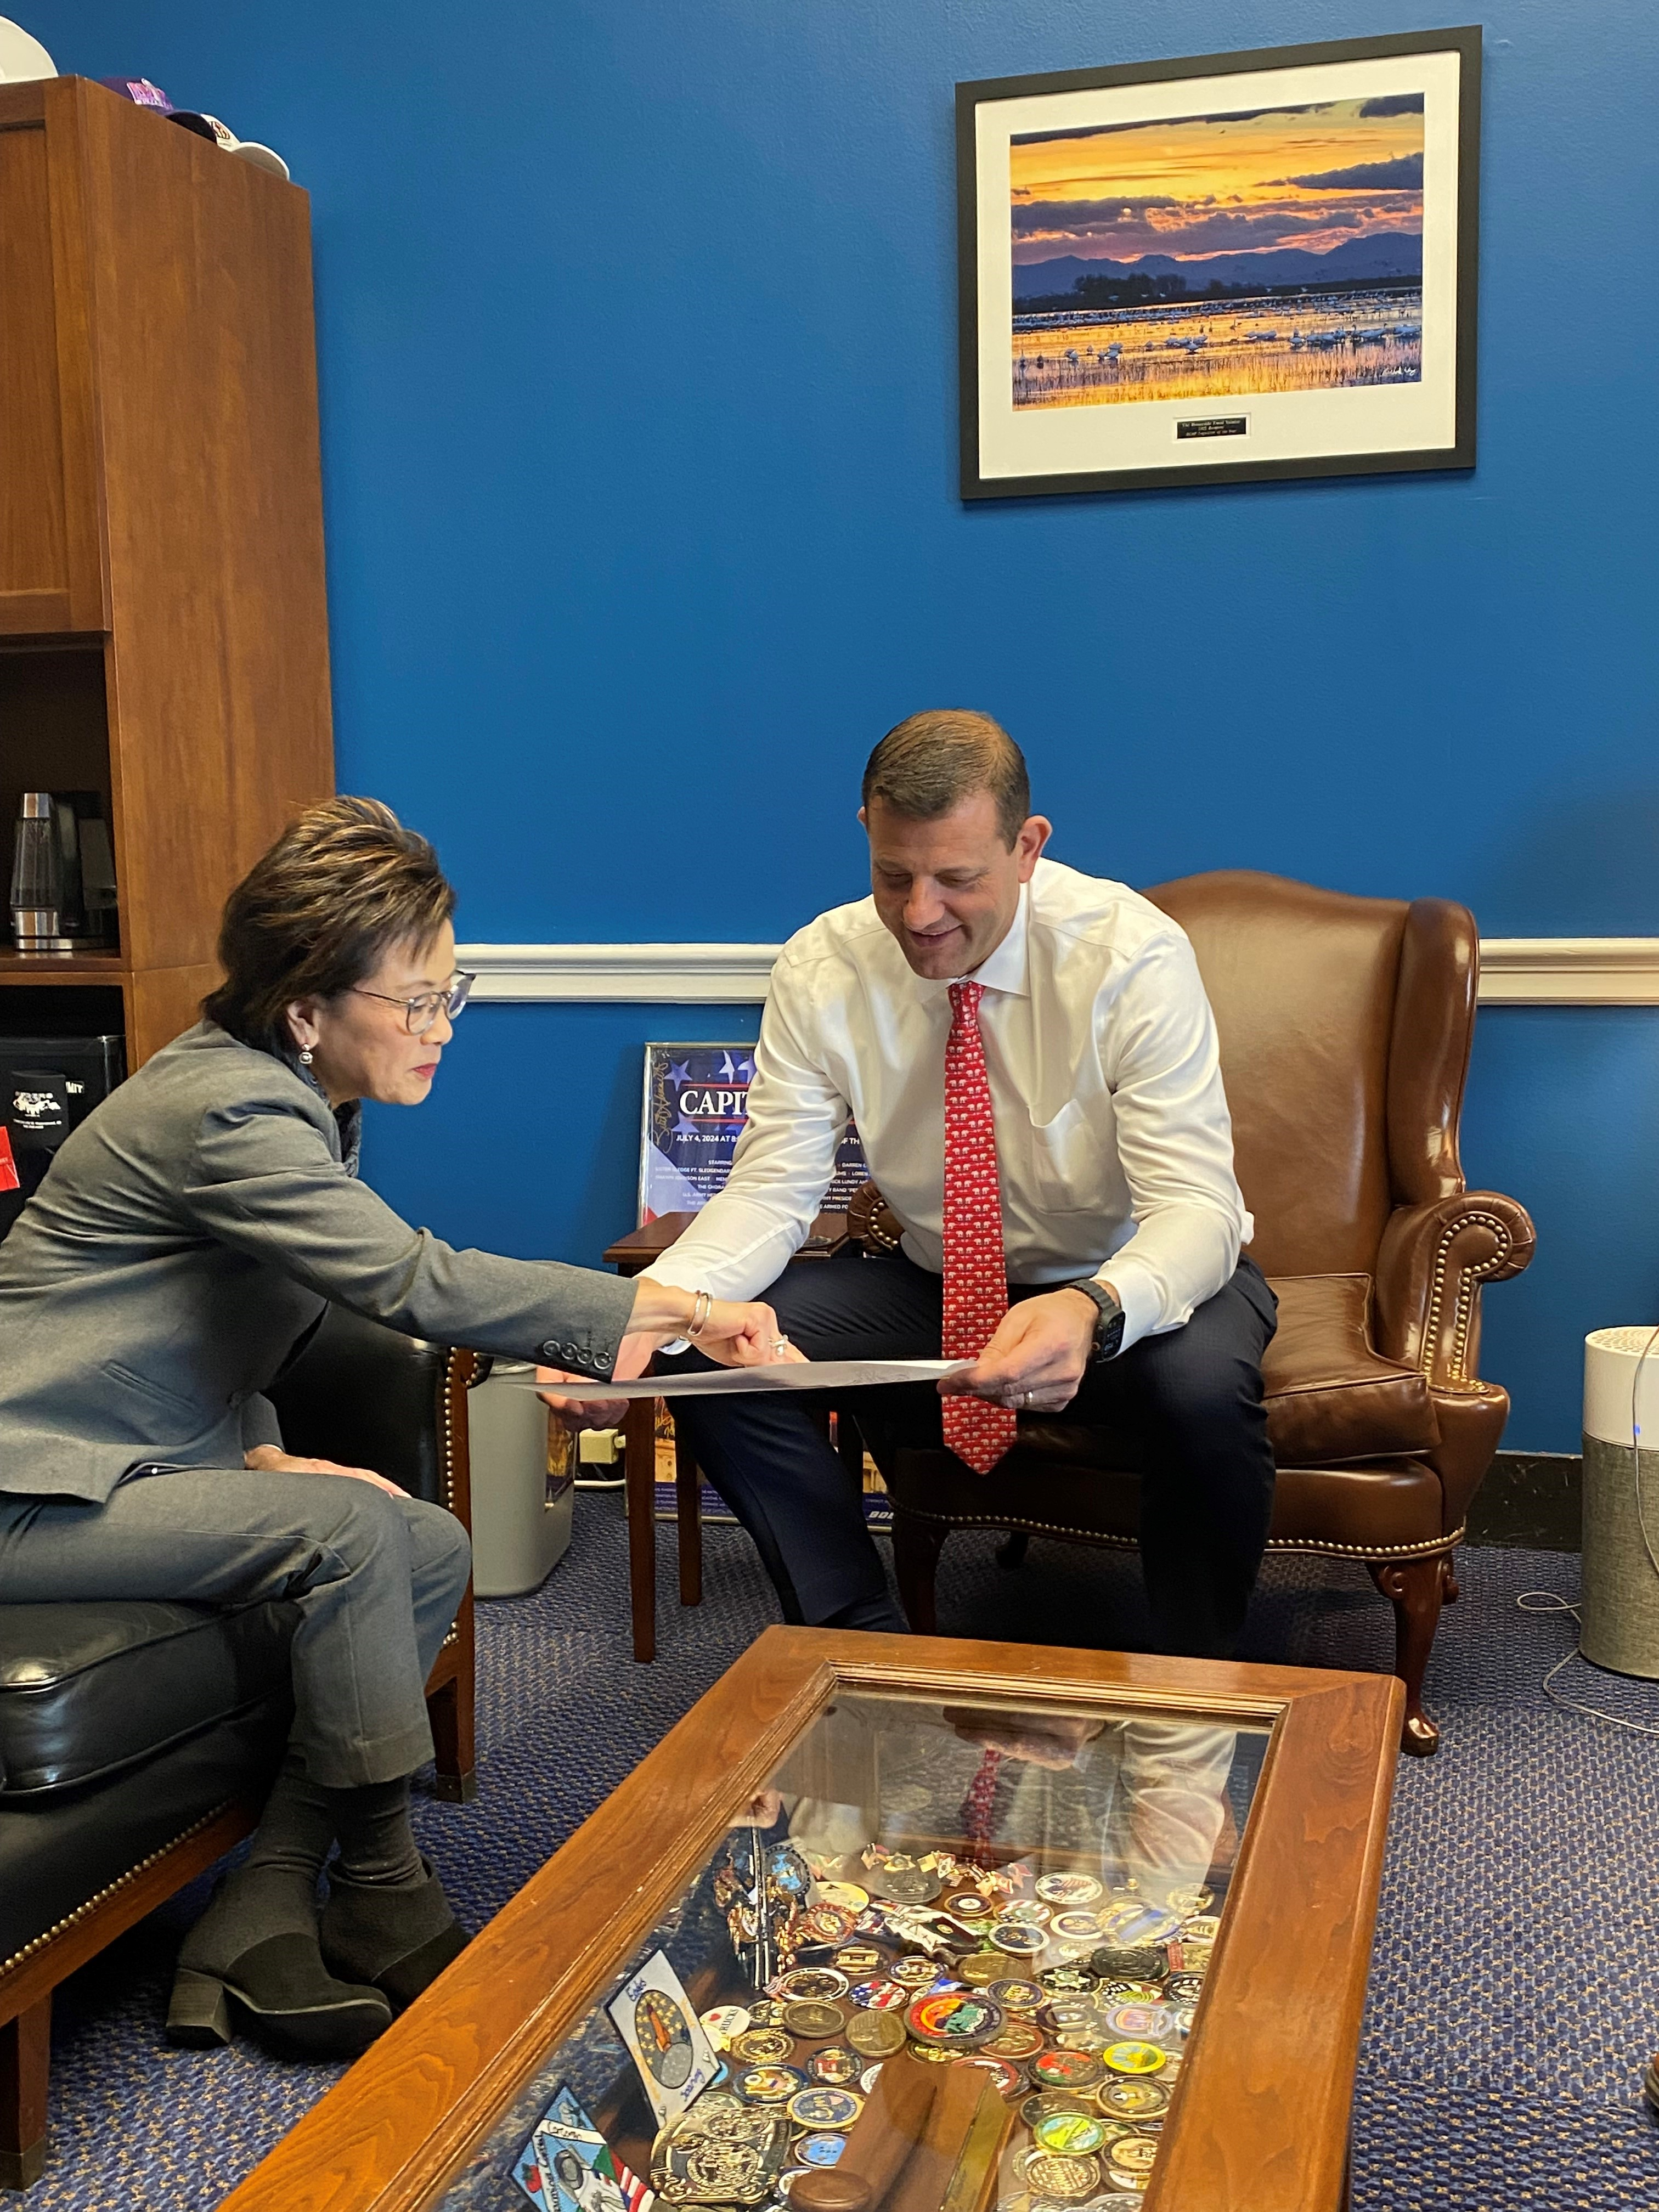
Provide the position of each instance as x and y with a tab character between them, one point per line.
26	967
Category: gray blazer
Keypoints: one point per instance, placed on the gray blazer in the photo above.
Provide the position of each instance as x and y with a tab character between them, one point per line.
187	1237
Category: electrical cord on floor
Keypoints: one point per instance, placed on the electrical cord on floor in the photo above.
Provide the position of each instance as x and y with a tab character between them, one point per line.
1547	1600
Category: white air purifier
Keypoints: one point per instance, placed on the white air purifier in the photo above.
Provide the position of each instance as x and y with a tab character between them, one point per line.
520	1520
1619	1613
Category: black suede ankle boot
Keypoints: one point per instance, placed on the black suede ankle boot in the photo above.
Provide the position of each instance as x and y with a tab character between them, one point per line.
398	1939
256	1946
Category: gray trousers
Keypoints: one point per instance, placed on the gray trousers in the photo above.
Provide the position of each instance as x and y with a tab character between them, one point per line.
377	1581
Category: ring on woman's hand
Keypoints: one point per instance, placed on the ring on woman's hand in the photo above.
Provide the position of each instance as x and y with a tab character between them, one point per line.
779	1343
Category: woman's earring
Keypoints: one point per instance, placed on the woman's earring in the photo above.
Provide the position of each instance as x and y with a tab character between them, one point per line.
304	1055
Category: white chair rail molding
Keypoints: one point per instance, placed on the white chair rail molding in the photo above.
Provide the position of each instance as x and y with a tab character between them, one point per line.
1515	971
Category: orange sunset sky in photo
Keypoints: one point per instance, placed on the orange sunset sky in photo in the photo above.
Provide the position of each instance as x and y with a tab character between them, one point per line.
1308	176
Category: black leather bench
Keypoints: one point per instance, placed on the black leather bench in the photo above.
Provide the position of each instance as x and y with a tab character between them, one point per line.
138	1740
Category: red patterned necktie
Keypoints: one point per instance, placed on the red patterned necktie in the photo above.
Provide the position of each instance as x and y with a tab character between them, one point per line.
979	1809
976	1278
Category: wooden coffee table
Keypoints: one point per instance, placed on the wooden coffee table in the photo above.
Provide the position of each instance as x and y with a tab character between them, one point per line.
1268	1786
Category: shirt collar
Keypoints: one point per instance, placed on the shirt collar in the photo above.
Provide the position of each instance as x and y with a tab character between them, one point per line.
1005	969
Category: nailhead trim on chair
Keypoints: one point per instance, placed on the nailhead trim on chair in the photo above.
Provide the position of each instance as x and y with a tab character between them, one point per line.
1472	1275
446	1454
1424	1550
109	1890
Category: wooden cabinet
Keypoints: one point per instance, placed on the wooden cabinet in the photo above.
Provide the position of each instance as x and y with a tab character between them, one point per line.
163	624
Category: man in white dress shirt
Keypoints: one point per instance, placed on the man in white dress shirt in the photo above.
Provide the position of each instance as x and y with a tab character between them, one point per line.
1117	1296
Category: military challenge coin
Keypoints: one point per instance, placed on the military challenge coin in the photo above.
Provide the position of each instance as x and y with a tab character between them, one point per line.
906	1885
875	2034
1128	2099
1069	1888
823	2149
1135	2058
1015	2039
1066	2069
1071	2179
1020	1939
812	1984
807	2017
769	2085
763	2047
835	2064
824	2108
856	1960
1072	2133
957	2019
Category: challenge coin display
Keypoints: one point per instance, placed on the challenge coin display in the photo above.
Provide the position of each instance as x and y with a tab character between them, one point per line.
1074	1999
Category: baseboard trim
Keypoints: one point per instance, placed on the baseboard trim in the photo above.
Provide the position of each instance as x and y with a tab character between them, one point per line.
1530	1501
1515	971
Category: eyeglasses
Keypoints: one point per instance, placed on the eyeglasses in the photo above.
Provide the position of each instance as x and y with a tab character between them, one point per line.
421	1013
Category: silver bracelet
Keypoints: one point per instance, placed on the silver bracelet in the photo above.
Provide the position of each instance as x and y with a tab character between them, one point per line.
702	1304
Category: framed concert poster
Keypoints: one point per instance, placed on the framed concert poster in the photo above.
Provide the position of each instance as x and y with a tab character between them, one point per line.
1228	268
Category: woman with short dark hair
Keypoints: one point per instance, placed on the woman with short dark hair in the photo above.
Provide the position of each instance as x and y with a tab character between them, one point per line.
182	1250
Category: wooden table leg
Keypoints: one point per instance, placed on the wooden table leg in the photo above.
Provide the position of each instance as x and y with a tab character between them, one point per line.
25	2063
640	1479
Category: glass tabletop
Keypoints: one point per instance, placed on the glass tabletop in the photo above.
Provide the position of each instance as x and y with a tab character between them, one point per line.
1017	1897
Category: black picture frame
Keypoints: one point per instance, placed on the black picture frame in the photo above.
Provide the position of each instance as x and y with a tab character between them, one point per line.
1453	396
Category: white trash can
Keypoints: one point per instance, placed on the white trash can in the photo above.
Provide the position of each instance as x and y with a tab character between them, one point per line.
1618	1612
520	1516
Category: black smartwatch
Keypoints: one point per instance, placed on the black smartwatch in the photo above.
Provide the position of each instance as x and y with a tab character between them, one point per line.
1108	1329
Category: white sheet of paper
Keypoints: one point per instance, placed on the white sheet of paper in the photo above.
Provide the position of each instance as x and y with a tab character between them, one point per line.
784	1375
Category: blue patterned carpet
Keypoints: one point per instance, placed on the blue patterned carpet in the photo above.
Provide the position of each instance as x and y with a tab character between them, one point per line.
1515	1991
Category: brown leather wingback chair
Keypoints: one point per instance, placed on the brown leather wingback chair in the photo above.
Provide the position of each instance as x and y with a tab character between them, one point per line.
1344	1027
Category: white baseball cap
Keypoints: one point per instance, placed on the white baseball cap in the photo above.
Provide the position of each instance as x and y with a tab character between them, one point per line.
20	56
208	126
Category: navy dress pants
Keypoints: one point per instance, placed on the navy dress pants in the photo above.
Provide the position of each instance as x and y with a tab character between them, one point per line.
1187	1406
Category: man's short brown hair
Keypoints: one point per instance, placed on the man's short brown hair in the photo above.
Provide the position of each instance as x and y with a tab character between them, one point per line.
343	886
930	762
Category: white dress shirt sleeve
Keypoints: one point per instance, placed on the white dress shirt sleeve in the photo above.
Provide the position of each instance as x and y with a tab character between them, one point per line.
746	1235
1174	1143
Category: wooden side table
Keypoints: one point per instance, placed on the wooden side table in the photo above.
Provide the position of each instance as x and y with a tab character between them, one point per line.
629	1256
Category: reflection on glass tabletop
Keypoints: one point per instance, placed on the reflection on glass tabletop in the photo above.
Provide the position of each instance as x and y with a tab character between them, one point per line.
1016	1894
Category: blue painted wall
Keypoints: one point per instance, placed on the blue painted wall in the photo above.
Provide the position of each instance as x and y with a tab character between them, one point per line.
637	336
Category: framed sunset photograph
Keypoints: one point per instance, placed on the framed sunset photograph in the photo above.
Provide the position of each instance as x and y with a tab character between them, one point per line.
1234	266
